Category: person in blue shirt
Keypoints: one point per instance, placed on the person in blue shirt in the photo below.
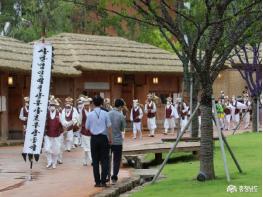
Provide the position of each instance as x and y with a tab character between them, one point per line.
99	124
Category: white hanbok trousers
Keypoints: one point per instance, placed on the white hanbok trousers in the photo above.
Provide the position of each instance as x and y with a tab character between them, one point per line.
183	123
151	124
62	147
69	139
169	123
246	120
52	149
137	127
86	147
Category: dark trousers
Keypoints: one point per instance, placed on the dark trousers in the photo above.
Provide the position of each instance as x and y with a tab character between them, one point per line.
116	152
100	155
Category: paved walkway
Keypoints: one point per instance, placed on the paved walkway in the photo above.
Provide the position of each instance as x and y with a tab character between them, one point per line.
70	179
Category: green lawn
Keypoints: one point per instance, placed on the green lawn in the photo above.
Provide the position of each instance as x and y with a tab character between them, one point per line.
181	181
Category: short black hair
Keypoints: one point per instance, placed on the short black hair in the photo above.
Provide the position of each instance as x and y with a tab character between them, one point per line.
119	103
97	100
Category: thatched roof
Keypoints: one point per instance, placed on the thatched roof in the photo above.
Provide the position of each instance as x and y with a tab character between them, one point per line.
16	56
90	52
79	52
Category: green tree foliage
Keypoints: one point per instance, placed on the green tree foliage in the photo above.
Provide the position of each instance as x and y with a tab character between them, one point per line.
38	17
80	16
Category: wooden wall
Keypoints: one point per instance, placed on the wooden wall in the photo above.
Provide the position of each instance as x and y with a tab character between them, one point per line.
137	87
231	82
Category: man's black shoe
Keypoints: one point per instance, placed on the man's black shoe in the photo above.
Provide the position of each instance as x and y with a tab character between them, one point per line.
97	185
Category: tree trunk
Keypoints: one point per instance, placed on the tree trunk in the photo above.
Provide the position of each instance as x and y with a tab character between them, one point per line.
254	114
195	122
206	150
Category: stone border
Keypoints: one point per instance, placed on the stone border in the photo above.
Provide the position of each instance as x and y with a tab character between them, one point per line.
138	178
125	185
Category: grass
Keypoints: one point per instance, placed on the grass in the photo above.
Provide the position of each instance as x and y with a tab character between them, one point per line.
181	181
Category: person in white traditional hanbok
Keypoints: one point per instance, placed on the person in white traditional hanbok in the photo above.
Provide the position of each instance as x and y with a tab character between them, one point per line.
61	136
183	112
76	131
52	140
107	104
136	119
237	107
171	115
150	110
246	113
69	118
227	110
85	133
23	116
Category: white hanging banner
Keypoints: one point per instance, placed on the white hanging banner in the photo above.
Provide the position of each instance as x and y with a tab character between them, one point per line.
39	93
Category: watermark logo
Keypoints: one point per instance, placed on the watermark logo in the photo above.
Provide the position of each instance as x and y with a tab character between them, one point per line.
242	188
231	188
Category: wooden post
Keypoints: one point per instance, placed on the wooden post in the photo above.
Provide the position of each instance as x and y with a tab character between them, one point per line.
158	158
4	114
221	141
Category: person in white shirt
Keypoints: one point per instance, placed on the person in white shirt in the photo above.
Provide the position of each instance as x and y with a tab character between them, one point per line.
183	111
247	111
227	110
150	110
61	136
76	131
136	118
85	133
69	118
107	104
170	115
237	107
23	116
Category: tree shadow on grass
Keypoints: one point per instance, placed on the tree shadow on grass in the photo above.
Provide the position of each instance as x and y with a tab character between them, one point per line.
173	160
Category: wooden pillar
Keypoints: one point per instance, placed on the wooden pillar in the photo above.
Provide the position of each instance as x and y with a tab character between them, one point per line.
158	158
4	114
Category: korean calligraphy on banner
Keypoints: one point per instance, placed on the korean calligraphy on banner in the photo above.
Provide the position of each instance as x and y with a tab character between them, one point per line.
39	93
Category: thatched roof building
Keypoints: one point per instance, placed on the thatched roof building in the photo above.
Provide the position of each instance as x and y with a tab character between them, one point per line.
79	52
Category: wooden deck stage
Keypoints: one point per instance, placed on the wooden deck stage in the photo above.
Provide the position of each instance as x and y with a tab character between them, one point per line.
131	153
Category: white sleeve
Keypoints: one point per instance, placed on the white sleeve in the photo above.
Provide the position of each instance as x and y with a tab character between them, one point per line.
154	108
141	113
75	116
63	119
145	108
131	116
21	115
174	112
185	108
87	123
241	106
60	118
